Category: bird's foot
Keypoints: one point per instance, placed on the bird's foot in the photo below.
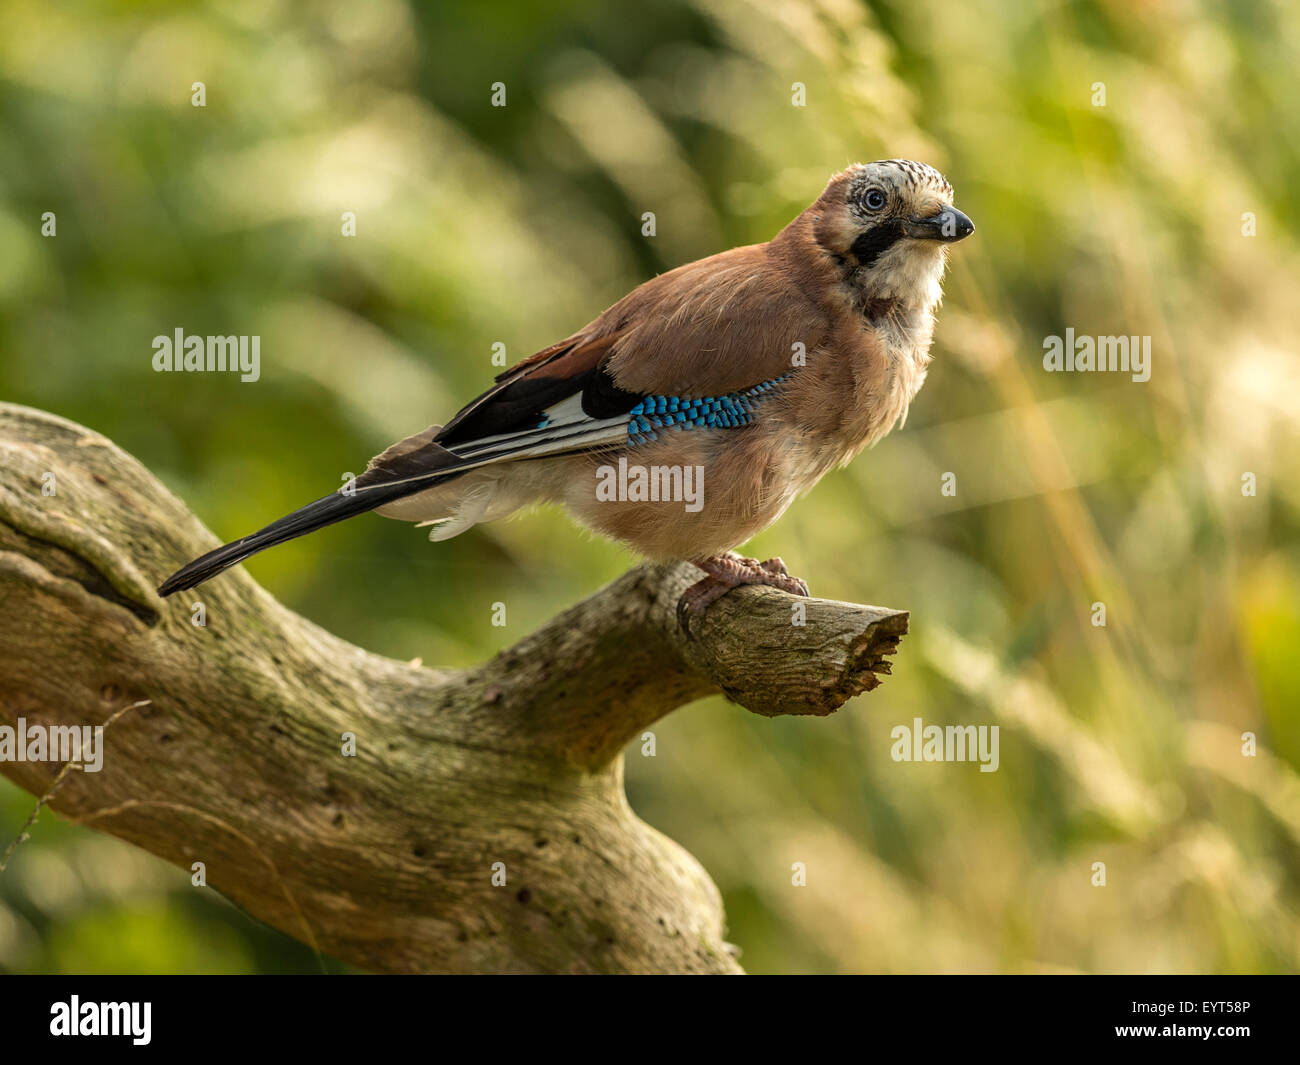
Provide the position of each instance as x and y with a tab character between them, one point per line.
729	571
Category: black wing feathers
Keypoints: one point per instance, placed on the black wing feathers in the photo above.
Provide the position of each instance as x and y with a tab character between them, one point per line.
515	404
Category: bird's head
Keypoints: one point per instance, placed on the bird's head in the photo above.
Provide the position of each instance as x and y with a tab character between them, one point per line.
890	223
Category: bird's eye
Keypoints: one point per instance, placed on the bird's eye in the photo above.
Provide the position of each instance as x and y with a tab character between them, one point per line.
874	199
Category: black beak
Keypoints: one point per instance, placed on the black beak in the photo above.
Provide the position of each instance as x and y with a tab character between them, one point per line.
949	226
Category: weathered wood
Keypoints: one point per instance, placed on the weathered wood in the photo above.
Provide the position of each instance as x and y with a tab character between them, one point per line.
383	859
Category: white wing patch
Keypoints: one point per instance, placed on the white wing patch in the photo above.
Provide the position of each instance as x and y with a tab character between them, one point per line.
563	427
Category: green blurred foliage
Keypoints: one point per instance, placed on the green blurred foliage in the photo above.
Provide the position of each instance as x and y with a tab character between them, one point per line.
479	225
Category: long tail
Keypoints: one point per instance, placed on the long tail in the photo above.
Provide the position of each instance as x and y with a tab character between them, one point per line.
332	508
413	465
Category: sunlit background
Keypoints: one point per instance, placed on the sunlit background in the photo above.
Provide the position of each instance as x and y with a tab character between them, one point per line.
1131	168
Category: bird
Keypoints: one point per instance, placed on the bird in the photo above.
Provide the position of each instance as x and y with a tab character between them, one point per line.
760	368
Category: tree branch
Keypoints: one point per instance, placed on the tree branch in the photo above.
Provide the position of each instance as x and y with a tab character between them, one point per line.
385	859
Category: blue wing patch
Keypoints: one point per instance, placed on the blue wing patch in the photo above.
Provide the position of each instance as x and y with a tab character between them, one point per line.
731	411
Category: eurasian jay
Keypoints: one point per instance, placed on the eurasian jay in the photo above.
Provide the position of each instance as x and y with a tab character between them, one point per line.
762	367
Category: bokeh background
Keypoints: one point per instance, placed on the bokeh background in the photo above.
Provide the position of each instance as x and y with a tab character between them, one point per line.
479	225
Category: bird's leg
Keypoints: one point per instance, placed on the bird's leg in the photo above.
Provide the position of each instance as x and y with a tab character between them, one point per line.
729	571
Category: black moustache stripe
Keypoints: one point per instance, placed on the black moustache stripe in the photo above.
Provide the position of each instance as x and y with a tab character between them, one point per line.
877	240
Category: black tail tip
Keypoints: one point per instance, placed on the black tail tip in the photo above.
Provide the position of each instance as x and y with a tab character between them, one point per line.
206	567
193	574
175	583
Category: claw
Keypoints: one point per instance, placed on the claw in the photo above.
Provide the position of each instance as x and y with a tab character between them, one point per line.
697	599
726	572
